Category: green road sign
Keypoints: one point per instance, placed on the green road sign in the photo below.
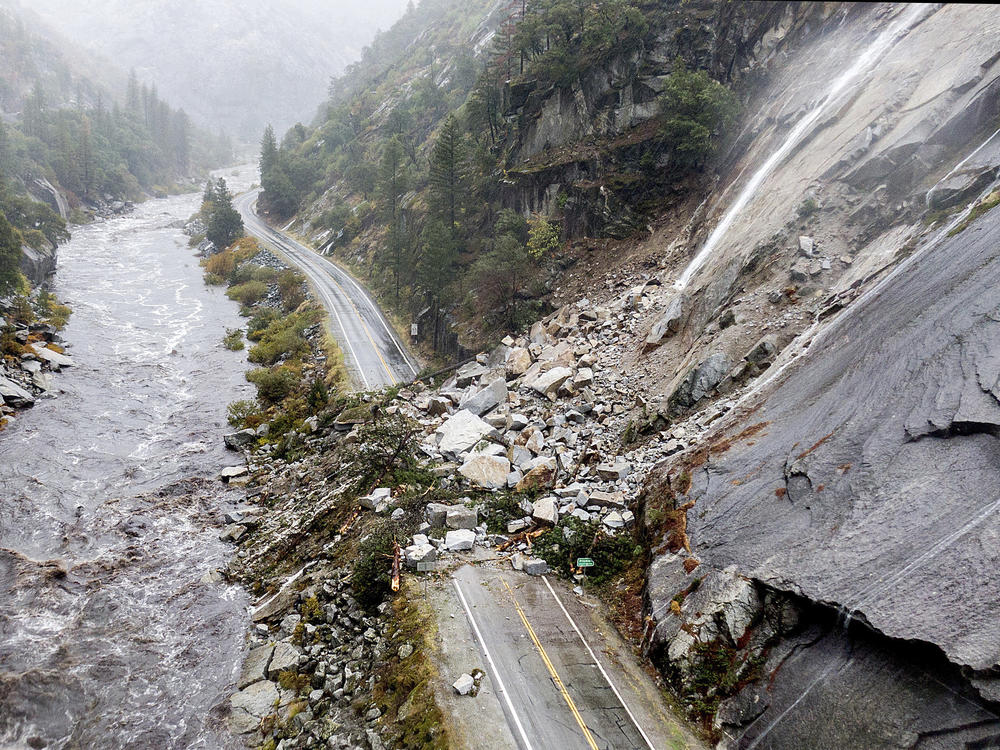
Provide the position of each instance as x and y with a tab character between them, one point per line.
584	562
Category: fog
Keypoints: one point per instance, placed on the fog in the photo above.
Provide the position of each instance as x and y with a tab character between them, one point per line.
232	64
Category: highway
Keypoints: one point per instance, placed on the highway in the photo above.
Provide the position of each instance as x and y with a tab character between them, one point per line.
373	353
540	649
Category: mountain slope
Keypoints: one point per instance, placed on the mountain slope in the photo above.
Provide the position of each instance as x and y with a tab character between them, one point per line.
237	66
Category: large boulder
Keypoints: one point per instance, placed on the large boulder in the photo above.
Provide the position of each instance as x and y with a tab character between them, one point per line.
764	350
459	540
250	705
549	382
518	362
486	399
486	471
54	358
462	431
699	381
667	324
545	511
460	517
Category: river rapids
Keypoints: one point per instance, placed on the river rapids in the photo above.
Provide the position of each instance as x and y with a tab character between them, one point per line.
111	635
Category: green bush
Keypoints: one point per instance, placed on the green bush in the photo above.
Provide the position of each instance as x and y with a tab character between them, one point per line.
273	386
282	339
233	339
262	318
241	413
696	112
610	553
370	579
248	293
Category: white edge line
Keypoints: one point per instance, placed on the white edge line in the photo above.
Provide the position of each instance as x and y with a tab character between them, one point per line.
600	666
333	309
361	290
379	315
493	666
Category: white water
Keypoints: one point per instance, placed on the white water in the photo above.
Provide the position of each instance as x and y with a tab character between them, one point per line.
109	636
862	65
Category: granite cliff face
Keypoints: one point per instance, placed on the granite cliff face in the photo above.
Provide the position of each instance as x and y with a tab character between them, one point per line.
836	566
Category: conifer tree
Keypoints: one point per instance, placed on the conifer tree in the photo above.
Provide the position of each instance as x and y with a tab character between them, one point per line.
448	173
10	256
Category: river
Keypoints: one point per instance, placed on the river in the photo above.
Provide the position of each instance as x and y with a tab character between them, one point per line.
109	511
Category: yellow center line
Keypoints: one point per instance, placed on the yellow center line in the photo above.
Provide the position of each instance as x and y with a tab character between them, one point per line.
392	378
552	670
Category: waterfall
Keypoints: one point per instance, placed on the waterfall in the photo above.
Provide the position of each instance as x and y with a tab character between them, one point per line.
862	65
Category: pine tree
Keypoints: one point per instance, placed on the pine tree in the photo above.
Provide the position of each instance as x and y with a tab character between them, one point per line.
10	256
132	96
392	185
268	152
223	223
448	173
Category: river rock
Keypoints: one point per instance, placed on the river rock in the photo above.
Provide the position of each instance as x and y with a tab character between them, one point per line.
285	657
255	665
251	705
55	359
14	394
232	472
237	441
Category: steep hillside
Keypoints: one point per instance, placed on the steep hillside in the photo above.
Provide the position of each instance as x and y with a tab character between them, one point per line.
799	323
234	66
589	126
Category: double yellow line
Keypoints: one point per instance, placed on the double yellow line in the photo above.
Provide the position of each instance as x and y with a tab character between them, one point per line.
552	670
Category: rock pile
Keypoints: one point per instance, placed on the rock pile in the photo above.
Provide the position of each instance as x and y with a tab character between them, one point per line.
311	657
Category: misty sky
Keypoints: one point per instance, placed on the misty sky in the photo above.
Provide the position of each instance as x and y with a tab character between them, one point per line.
235	64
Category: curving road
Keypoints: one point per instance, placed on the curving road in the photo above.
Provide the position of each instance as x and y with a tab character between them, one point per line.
372	352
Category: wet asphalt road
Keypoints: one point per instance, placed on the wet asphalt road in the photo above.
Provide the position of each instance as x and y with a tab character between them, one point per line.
372	352
540	650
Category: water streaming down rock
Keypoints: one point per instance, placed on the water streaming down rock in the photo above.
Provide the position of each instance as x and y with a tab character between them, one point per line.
109	636
882	44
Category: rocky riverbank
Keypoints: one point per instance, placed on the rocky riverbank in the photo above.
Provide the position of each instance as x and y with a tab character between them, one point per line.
32	351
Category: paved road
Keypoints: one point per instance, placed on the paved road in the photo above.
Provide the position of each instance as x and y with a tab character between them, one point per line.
372	352
540	649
